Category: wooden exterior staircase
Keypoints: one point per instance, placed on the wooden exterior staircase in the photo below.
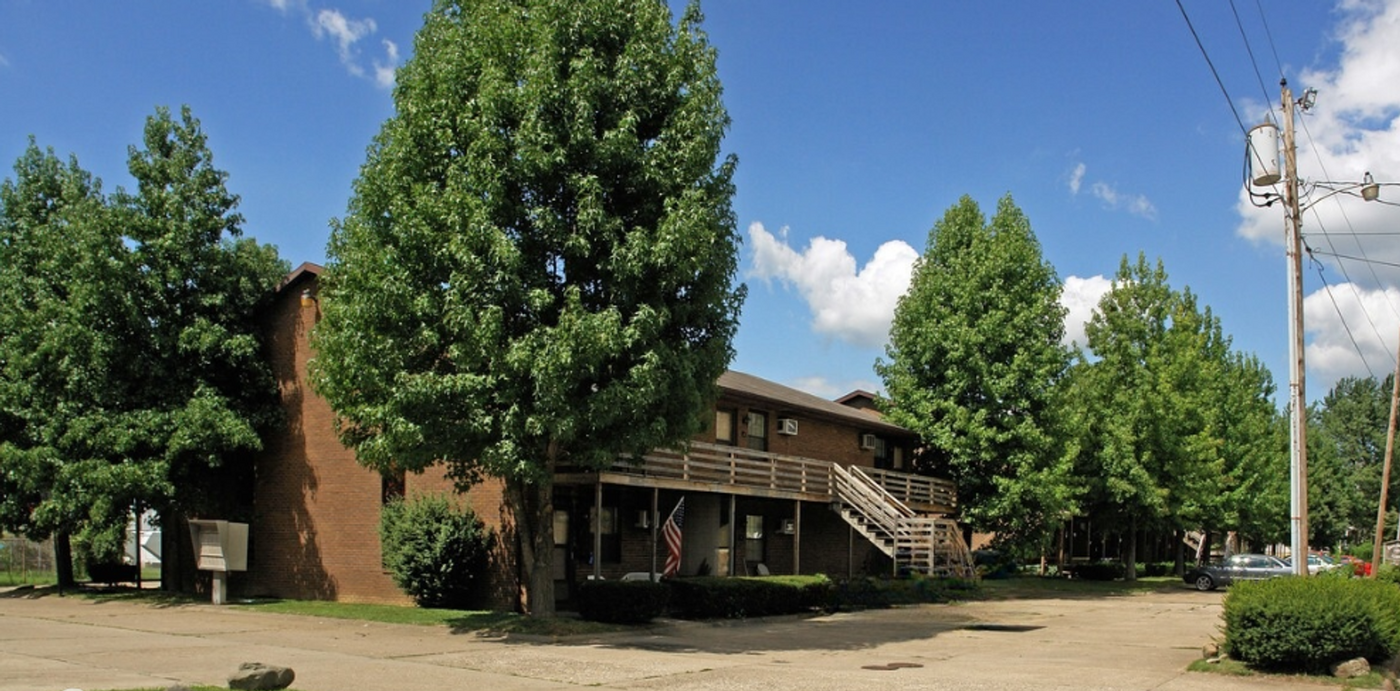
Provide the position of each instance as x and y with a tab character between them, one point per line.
916	542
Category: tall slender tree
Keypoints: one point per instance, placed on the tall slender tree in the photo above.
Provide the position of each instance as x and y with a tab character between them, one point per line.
536	268
132	373
973	365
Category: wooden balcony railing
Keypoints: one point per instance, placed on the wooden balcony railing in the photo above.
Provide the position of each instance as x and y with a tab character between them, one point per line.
746	471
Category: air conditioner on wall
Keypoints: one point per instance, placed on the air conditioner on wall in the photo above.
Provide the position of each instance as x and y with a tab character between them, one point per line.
867	441
787	425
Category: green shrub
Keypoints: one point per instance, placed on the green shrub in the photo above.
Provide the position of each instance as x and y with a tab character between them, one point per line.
436	551
1099	570
1388	573
1308	624
622	602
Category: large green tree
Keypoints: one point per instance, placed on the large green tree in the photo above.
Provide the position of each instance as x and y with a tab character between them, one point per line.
1178	428
537	264
131	371
973	365
1346	449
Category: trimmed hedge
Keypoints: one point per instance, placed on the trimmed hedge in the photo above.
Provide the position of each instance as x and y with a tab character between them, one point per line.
622	602
1308	624
736	598
714	597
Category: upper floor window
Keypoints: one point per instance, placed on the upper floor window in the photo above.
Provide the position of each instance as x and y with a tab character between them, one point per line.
758	431
724	426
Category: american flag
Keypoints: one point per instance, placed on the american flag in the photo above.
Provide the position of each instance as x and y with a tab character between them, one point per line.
672	532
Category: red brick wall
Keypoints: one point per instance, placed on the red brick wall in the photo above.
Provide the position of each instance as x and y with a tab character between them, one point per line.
314	533
817	437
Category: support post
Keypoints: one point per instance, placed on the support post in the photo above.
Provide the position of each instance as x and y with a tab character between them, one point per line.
797	537
655	518
733	519
598	528
1385	471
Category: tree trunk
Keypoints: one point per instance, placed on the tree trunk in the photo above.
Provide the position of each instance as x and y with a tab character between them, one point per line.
1130	558
1179	554
532	506
63	561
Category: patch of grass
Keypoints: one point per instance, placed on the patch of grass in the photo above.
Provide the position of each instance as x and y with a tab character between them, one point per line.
10	579
1235	668
1036	586
460	621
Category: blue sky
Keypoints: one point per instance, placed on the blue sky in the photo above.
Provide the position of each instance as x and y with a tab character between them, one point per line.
856	127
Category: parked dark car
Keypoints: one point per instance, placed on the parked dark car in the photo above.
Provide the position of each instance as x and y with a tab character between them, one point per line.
1237	567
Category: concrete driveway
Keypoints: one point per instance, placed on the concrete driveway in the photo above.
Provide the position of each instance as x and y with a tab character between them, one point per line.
1140	641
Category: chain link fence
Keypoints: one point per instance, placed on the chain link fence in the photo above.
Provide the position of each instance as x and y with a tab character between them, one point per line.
25	561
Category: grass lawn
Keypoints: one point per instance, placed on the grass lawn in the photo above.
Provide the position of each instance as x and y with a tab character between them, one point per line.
1020	587
1235	668
459	621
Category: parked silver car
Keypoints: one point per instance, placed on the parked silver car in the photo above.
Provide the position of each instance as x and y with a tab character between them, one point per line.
1237	567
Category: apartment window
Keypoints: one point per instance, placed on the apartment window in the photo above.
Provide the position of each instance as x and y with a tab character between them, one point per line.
391	486
724	426
753	538
758	431
883	458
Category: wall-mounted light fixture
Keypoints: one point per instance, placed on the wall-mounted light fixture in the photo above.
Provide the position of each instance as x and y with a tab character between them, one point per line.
308	299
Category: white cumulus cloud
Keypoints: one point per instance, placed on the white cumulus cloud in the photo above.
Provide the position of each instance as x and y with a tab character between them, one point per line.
1080	298
1369	314
1353	128
852	304
384	71
1108	194
346	33
829	389
1076	178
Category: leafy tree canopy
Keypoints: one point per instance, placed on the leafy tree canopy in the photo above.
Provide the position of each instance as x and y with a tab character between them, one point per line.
130	371
974	363
537	263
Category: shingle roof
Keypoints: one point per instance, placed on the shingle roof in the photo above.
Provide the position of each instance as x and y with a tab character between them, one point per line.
749	385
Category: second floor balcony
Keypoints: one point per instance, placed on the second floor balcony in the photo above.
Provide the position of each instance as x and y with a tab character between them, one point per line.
736	470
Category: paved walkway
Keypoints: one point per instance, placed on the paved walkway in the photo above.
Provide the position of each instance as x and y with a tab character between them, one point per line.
1124	642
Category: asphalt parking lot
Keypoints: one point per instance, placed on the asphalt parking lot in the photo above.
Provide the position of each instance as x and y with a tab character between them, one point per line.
1140	641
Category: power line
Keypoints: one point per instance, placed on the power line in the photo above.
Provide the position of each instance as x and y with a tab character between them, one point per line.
1377	262
1213	72
1312	145
1278	63
1342	318
1360	303
1263	89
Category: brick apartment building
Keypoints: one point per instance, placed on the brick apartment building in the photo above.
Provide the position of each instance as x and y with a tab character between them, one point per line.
781	482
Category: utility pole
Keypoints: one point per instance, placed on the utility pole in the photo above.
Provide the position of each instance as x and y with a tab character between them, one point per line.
1298	438
1385	472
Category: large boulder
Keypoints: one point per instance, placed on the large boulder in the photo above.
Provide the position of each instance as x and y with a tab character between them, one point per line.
1350	669
256	676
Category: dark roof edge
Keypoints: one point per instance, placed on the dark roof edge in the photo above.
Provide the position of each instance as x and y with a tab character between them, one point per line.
306	269
743	384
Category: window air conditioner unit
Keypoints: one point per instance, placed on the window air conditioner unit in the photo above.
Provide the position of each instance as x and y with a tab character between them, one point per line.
787	425
788	527
867	441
